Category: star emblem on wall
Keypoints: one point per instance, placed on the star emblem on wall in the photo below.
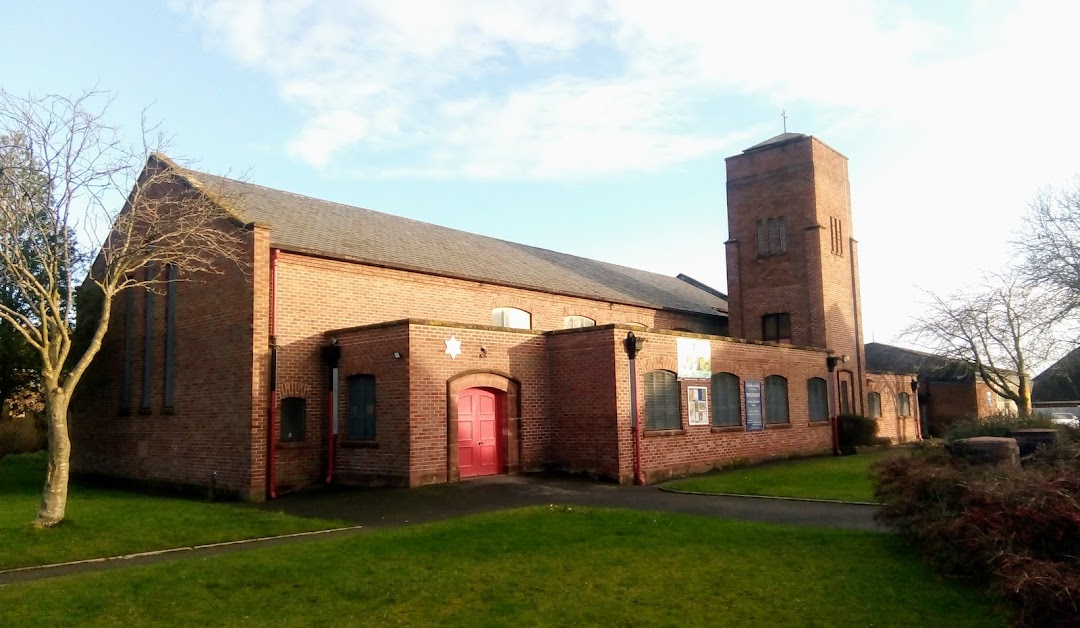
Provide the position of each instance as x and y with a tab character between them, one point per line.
453	347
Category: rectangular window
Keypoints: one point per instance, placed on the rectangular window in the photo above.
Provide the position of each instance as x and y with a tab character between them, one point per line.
845	397
293	413
776	328
762	238
836	232
361	413
170	335
148	345
129	350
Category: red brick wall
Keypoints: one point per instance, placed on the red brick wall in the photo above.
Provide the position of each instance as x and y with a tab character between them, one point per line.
210	426
806	182
948	402
519	354
315	295
898	429
699	448
386	459
585	411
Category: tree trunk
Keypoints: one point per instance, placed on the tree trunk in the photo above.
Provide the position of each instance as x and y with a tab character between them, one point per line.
54	500
1023	408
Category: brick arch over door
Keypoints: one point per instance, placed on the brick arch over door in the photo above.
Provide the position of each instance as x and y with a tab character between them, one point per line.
511	429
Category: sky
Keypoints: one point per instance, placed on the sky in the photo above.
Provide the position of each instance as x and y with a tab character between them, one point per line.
600	128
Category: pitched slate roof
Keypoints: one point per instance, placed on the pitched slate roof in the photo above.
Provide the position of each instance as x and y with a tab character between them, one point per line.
1060	381
891	359
309	225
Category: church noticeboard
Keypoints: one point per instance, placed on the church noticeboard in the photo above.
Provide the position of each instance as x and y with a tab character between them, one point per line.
697	405
755	422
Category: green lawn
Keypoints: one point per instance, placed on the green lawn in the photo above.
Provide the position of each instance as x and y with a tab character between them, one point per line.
531	567
844	478
103	522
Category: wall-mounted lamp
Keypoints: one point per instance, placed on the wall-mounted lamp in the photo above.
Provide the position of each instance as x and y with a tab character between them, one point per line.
914	386
632	344
483	352
832	360
397	355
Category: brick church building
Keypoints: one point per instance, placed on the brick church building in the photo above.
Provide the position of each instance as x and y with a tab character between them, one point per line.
358	347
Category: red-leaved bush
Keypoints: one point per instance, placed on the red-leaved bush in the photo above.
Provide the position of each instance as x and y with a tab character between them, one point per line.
1016	527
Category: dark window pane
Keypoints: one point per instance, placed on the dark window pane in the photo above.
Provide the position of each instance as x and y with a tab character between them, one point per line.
776	399
817	392
725	400
662	401
361	416
293	411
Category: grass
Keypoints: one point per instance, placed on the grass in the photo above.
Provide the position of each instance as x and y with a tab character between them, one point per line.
106	522
843	478
530	567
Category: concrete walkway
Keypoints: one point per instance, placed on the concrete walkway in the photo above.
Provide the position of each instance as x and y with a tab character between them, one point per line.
372	509
379	508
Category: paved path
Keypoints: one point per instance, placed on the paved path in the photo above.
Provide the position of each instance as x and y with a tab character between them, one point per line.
376	508
372	509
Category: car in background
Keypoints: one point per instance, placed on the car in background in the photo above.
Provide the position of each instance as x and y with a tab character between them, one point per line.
1064	418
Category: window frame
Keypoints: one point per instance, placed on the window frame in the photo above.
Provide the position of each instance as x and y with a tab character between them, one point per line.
780	321
502	317
721	403
659	418
903	404
873	404
771	402
362	427
301	419
817	399
568	321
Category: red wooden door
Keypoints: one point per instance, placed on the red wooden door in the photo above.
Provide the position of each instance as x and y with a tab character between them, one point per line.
478	431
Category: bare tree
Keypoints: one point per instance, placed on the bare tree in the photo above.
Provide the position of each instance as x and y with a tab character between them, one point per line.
65	170
1050	245
1003	329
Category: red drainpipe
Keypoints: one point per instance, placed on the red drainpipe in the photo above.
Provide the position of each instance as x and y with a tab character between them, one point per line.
271	412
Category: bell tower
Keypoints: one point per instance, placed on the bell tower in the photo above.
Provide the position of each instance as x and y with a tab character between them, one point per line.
792	265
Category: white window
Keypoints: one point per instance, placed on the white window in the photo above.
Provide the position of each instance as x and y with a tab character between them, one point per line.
511	317
573	322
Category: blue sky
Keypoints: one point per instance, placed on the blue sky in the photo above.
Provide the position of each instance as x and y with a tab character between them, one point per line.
599	128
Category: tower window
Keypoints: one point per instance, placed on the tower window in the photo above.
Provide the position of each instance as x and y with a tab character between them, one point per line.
776	328
772	236
836	231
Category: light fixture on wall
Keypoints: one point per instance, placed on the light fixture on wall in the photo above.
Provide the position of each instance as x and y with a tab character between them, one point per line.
483	352
397	355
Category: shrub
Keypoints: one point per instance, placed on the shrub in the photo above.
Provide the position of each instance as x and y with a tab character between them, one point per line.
1017	527
856	431
995	425
22	435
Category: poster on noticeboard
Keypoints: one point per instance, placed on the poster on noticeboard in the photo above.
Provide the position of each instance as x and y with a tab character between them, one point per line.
695	358
697	405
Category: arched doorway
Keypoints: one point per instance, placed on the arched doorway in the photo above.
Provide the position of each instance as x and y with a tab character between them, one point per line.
479	427
502	394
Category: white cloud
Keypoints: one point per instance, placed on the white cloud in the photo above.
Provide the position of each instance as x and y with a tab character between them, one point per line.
543	89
